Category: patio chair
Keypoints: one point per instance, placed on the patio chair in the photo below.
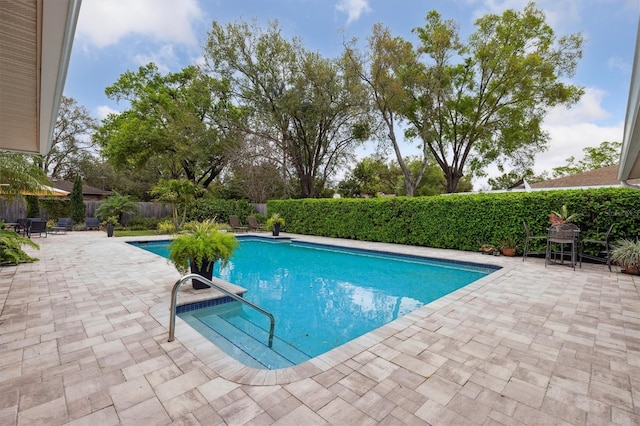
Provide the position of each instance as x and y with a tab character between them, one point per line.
234	221
603	255
560	235
38	227
22	226
91	223
63	225
253	224
528	239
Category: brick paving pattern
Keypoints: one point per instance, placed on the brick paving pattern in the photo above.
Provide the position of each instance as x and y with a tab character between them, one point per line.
83	341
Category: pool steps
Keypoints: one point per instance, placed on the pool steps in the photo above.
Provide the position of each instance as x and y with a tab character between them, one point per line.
229	327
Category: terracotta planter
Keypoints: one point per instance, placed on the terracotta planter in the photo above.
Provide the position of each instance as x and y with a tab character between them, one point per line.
631	270
509	251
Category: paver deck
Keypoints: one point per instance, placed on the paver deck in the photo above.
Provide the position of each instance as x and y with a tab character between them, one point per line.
83	340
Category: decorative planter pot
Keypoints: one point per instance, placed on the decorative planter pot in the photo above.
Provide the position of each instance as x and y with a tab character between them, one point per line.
110	230
509	251
206	271
276	229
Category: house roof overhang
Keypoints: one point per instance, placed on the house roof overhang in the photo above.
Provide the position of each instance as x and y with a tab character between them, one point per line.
36	38
630	152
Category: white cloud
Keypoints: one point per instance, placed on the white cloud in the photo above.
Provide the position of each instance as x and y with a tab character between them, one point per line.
559	14
617	63
103	111
353	8
587	109
105	23
163	58
570	140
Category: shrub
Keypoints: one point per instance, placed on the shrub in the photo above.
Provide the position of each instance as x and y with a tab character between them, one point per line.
166	227
460	221
143	223
11	247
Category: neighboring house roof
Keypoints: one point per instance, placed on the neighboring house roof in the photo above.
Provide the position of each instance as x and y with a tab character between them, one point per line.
605	176
86	190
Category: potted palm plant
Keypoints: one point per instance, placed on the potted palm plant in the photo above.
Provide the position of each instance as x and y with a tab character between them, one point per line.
509	246
109	223
274	223
198	247
626	254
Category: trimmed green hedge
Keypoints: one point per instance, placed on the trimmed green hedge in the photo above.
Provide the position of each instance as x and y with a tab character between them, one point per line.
458	221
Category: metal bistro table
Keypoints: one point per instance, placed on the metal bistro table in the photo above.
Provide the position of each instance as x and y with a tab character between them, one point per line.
559	235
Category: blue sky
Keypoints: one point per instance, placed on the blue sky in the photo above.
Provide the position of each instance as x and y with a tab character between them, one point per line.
114	36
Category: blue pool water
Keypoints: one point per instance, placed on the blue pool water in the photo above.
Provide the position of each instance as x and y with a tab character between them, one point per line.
321	296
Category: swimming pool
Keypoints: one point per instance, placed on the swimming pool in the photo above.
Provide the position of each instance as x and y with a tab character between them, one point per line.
321	296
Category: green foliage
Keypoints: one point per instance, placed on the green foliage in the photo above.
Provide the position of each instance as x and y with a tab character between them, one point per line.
200	242
167	227
141	223
110	220
33	208
310	108
474	103
55	207
11	247
181	122
626	253
180	193
77	204
116	205
218	210
273	220
461	221
509	242
19	175
562	216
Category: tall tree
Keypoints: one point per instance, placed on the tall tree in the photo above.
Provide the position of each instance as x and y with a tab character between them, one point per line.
483	102
77	203
306	106
388	65
180	193
72	140
183	121
604	155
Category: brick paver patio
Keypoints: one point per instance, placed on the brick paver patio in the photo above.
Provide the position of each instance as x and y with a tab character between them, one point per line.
83	340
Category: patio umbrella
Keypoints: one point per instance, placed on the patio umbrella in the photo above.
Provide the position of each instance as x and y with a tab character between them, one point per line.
41	190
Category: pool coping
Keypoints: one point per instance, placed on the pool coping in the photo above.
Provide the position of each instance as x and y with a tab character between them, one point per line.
233	370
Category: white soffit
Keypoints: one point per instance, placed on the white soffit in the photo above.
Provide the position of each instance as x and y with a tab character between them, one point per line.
35	46
629	155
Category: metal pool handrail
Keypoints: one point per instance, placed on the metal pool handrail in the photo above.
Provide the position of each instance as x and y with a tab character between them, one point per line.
174	301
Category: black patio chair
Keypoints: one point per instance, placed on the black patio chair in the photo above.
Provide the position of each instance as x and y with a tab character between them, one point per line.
604	253
38	227
529	238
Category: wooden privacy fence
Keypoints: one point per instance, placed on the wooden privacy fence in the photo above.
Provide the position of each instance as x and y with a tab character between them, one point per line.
13	209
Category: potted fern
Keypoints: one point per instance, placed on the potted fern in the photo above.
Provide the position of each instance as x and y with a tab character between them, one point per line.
274	223
198	247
